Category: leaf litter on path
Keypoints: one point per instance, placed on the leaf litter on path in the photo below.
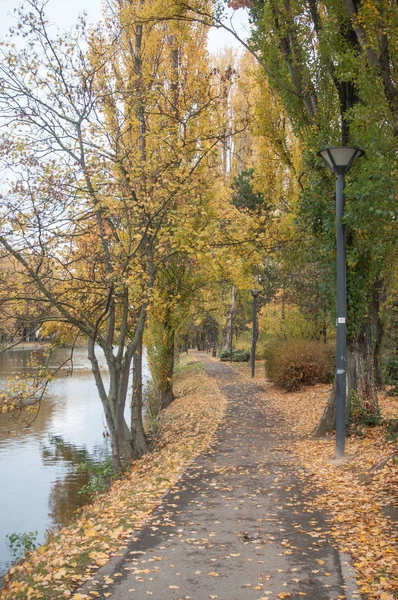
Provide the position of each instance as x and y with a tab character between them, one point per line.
359	503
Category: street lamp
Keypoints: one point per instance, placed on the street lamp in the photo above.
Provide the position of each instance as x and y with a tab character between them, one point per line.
255	294
231	333
340	160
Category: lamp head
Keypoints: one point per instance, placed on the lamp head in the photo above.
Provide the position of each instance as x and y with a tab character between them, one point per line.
255	292
340	158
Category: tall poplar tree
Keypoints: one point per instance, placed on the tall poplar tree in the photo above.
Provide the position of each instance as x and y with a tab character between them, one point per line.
333	65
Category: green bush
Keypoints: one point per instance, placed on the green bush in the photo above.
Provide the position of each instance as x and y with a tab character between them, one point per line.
237	355
390	368
293	363
100	476
360	415
392	430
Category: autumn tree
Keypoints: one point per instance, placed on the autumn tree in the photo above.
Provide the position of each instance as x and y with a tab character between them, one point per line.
332	66
91	122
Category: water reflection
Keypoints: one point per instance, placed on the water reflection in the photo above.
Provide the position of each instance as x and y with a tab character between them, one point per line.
40	481
64	497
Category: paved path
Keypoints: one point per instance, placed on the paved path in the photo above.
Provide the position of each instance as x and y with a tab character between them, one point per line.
237	525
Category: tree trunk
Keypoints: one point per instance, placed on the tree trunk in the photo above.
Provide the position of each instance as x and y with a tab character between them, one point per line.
226	337
123	433
378	296
119	374
360	383
138	441
166	383
116	461
366	391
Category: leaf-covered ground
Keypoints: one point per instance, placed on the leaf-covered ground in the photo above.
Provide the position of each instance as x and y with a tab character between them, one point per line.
57	569
363	505
237	525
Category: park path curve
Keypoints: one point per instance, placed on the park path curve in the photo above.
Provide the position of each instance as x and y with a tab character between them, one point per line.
237	525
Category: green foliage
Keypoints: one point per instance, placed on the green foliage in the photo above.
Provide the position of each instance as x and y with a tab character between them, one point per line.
151	407
237	355
21	543
360	416
293	363
244	195
319	54
241	356
391	430
390	369
100	476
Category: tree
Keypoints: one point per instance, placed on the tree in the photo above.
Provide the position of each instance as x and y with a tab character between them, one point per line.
91	137
332	66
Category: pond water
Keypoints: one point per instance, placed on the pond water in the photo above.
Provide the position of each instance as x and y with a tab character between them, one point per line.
38	466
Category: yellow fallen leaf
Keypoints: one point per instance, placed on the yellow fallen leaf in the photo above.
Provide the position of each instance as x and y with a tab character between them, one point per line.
213	574
59	574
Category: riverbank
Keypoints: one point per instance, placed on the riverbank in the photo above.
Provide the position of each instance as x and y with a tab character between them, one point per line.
361	495
73	555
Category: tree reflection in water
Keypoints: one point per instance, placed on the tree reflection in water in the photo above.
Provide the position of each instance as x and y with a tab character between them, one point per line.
64	497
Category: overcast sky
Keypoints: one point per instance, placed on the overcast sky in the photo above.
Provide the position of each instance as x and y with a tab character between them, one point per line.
65	12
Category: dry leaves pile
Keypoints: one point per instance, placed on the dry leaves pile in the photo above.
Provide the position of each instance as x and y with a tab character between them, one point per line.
363	506
72	557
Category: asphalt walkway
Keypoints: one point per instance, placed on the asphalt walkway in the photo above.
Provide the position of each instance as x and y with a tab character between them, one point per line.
237	525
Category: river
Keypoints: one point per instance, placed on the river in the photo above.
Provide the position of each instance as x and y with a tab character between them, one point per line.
38	466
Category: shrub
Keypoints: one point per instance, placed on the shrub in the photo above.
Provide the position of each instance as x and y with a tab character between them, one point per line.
100	476
392	430
360	415
293	363
390	368
237	355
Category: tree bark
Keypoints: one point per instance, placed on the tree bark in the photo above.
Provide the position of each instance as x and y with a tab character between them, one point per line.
378	296
138	441
116	461
166	393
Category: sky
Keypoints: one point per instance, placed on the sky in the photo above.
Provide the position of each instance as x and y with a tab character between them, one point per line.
65	12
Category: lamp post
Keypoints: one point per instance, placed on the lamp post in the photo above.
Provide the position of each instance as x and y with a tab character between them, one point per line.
255	294
340	160
231	333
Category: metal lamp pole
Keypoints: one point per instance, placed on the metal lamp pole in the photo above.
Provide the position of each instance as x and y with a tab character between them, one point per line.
340	159
255	294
